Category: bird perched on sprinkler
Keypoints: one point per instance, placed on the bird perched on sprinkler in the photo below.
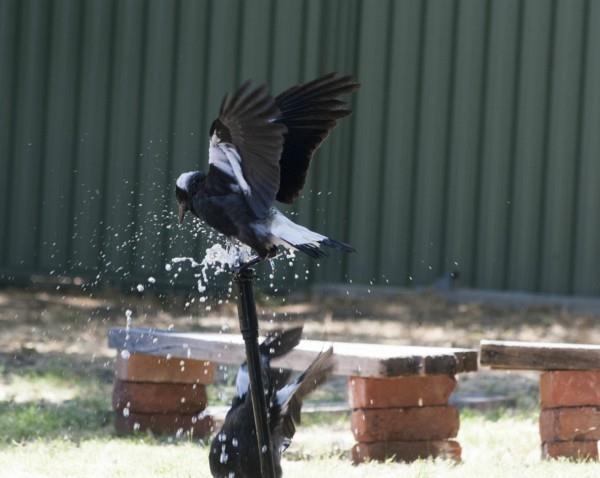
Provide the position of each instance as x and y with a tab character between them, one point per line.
233	451
260	151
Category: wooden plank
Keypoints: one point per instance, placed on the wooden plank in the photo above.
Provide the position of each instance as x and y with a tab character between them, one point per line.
539	356
352	358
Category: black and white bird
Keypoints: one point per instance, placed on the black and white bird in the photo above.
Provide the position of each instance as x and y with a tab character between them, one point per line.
260	151
234	449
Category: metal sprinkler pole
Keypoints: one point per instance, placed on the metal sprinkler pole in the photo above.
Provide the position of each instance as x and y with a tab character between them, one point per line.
249	329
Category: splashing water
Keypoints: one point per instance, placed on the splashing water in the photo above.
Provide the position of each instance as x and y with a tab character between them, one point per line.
217	258
129	319
224	458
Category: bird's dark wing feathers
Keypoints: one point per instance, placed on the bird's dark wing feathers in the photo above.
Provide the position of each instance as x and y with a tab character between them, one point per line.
279	342
309	111
307	382
247	117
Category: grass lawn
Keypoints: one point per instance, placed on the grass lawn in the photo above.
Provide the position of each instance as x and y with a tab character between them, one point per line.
56	377
55	421
504	446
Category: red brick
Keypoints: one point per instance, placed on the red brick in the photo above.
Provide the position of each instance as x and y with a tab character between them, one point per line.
154	368
146	397
411	391
406	451
165	424
565	424
577	450
570	388
404	424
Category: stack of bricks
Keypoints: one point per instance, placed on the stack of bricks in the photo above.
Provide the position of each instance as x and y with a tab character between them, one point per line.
570	417
403	418
162	395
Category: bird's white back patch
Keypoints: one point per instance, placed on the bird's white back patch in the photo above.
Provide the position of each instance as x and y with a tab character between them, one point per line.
183	181
236	165
227	159
218	158
284	394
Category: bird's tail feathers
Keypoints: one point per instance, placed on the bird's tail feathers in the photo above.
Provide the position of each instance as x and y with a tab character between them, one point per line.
289	234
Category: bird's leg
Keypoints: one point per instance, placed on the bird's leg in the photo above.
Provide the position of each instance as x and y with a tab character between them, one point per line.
255	260
250	263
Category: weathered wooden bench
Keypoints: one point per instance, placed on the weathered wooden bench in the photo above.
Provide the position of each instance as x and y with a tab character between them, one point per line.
569	391
398	394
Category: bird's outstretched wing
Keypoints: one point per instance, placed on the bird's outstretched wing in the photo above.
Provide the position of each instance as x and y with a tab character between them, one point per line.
309	111
290	397
247	143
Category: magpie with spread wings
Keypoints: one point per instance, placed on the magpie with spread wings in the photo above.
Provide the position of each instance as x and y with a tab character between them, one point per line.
234	449
260	151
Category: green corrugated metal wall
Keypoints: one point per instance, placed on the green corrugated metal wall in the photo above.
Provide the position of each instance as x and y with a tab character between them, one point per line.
474	145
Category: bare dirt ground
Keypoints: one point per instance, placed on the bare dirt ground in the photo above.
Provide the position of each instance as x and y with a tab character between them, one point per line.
73	323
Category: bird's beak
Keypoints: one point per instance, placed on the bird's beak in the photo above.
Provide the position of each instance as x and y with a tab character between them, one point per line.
182	211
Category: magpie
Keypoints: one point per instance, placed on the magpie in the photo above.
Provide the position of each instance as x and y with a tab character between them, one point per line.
234	449
260	151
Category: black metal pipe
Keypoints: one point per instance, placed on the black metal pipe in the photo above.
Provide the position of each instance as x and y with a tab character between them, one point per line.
249	329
